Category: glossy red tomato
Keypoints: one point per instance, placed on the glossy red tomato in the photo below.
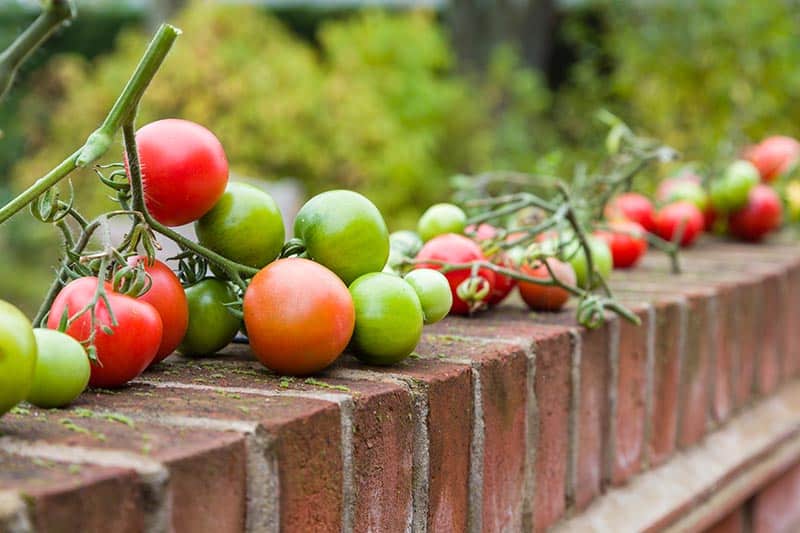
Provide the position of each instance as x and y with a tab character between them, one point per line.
456	249
632	206
680	214
627	241
299	316
544	297
133	342
503	284
167	296
774	155
762	213
184	170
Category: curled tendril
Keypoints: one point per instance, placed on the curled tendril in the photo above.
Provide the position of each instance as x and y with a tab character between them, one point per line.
191	267
142	237
50	208
591	312
293	248
117	180
132	280
473	291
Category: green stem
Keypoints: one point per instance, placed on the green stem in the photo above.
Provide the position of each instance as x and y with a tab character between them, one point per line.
96	144
55	13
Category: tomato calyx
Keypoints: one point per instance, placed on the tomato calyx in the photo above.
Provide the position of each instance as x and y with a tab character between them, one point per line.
474	291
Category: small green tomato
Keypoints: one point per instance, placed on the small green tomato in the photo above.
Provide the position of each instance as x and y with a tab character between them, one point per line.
433	291
440	219
62	369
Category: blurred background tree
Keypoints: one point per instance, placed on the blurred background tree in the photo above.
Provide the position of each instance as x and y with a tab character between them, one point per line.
394	102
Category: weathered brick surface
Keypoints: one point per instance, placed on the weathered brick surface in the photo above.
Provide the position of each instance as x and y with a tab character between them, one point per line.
75	497
735	522
777	507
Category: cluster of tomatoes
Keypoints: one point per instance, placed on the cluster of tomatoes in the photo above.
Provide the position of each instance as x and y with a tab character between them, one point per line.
741	202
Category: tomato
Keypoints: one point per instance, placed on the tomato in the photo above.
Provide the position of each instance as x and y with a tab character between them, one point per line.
601	259
130	346
503	285
405	242
433	292
345	232
299	316
211	325
666	187
388	318
762	214
774	156
627	241
167	296
544	297
62	369
184	170
455	249
440	219
632	206
673	216
17	356
687	191
245	226
729	193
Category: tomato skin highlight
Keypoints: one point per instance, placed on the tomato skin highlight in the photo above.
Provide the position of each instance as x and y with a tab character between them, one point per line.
456	249
627	242
762	214
543	297
389	318
632	206
167	296
774	156
672	216
18	355
299	316
343	231
131	347
184	170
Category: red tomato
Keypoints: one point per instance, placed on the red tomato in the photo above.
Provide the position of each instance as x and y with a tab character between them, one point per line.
627	241
667	186
456	249
134	341
543	297
167	296
632	206
773	156
184	170
673	216
503	284
299	316
762	214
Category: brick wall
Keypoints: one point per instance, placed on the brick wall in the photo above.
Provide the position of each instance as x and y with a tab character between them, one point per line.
513	421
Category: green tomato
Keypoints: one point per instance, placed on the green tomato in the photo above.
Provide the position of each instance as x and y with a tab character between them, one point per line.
433	291
406	242
601	257
211	325
245	226
732	191
388	318
17	356
440	219
688	191
345	232
62	369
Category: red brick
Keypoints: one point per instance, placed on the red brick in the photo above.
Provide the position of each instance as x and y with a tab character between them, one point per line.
694	398
733	523
630	391
791	364
726	341
748	343
776	507
307	442
64	497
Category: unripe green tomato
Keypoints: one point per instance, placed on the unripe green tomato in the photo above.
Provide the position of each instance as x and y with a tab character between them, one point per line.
17	356
433	291
388	318
406	242
601	257
440	219
62	369
343	231
211	325
245	225
739	178
688	191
